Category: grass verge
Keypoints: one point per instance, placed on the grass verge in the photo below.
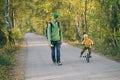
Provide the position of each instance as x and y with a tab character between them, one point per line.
11	67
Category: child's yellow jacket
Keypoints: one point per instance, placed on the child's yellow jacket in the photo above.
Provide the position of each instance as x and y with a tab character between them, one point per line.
87	42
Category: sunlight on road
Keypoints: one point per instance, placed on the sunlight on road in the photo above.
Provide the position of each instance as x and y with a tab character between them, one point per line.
40	44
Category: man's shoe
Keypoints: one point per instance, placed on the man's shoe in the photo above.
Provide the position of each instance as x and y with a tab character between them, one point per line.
54	62
90	56
80	55
59	63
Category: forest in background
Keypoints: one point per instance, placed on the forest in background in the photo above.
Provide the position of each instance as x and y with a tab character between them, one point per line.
99	18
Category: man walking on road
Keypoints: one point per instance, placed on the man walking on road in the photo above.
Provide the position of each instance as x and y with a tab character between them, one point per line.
55	39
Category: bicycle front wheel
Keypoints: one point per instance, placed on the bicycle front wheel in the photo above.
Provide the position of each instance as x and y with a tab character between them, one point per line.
87	58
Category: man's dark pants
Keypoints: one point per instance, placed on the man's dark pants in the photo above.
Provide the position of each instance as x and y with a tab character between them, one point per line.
55	51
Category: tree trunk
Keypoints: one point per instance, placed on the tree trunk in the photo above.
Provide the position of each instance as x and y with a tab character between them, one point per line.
114	40
77	29
13	19
85	13
6	17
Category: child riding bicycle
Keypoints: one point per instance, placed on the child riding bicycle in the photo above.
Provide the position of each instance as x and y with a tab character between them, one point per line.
87	42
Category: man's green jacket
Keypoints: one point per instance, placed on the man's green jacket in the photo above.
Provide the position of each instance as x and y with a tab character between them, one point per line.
54	32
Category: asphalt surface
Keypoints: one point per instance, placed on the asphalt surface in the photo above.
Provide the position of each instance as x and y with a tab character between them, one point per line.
38	64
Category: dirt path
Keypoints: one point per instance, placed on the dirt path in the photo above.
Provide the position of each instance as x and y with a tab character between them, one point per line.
38	64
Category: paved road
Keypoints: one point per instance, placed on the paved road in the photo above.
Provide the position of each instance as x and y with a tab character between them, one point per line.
38	65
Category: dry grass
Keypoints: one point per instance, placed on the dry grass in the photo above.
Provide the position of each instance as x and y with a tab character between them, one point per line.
17	71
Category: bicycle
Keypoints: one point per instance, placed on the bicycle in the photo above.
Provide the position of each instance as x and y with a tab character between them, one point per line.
87	56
